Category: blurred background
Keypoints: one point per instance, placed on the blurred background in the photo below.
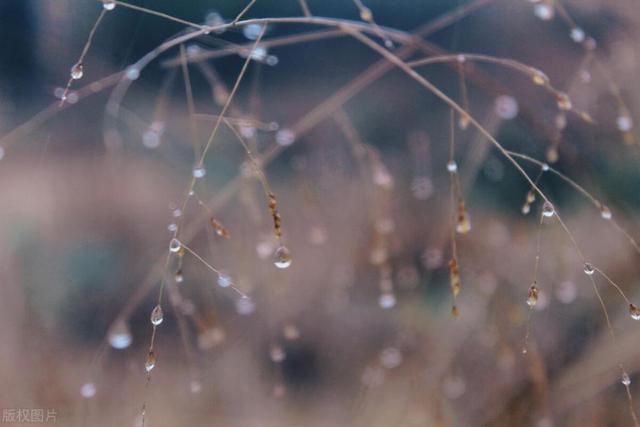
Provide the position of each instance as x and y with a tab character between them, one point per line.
359	330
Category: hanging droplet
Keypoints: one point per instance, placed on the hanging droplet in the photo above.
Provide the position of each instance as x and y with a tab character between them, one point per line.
543	11
382	177
277	354
552	154
283	257
157	316
588	269
540	78
119	335
291	332
387	300
108	4
532	296
605	212
452	166
178	277
150	362
506	107
548	210
77	71
224	281
624	123
175	245
366	14
577	34
88	390
285	137
563	100
526	208
455	311
199	172
464	223
634	312
531	196
625	379
463	121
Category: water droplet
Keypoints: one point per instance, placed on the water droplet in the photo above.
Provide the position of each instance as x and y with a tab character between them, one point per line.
272	60
177	213
277	354
563	100
634	312
548	210
199	172
132	73
210	337
195	387
577	34
531	196
157	316
605	212
625	379
214	19
151	139
387	300
390	358
291	332
532	296
108	4
245	306
224	281
526	208
540	78
150	363
366	14
464	223
455	311
566	292
382	177
506	107
588	269
119	335
178	277
624	123
283	257
77	71
422	187
175	245
552	154
88	390
285	137
252	31
452	166
463	121
543	11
